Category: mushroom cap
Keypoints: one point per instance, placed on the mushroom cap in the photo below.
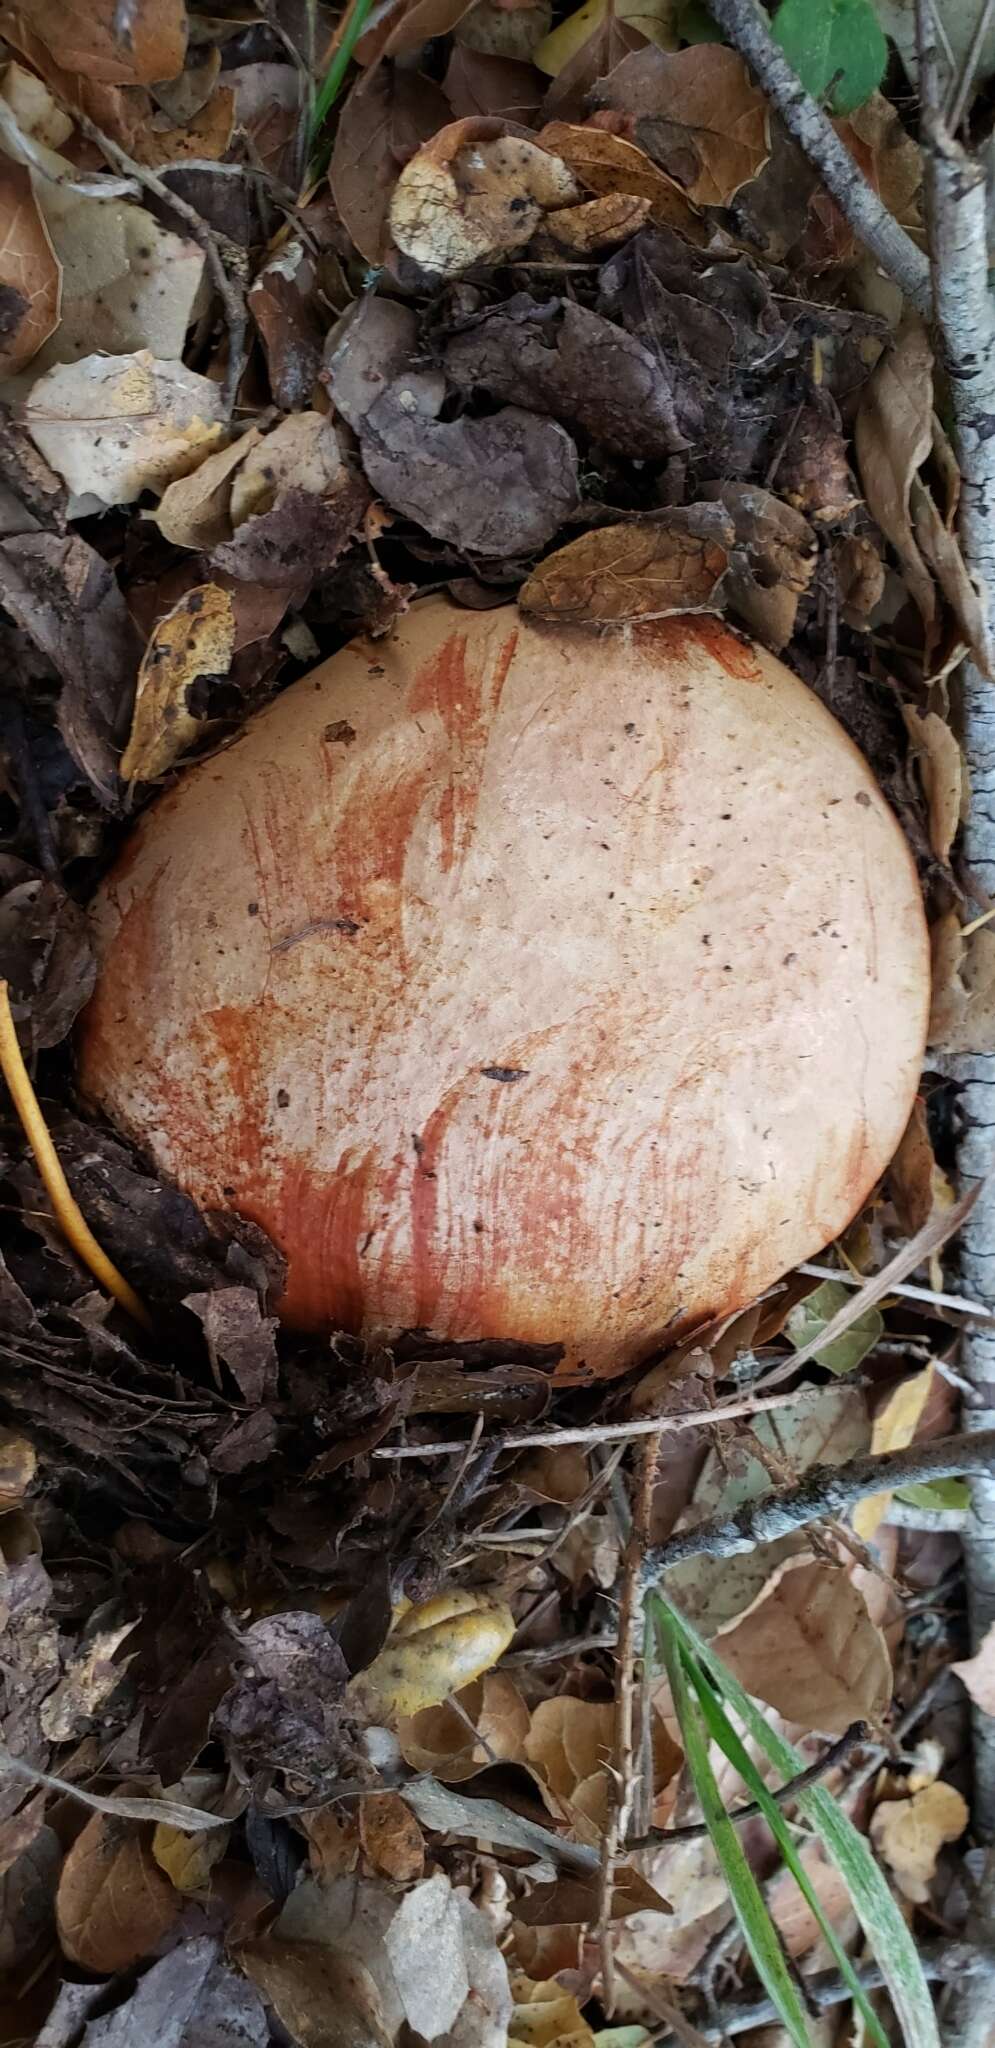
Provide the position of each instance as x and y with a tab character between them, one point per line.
520	982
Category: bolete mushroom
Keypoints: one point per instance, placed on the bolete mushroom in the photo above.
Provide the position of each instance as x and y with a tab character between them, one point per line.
521	983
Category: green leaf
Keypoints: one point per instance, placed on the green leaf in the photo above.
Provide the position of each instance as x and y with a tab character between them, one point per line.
833	39
890	1940
938	1493
727	1736
816	1312
759	1932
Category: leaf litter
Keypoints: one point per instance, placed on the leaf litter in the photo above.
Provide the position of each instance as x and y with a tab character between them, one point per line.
304	1741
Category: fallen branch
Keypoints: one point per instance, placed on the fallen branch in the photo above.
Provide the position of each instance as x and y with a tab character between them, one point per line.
894	250
942	1961
826	1493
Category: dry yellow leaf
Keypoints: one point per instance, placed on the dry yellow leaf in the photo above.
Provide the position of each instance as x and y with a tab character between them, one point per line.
546	2016
197	638
893	1428
909	1833
188	1860
655	19
433	1650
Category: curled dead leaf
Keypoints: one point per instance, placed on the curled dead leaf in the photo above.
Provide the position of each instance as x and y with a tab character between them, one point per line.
909	1834
113	1902
608	164
475	193
962	1018
941	766
773	563
89	1680
487	1722
195	639
598	223
615	573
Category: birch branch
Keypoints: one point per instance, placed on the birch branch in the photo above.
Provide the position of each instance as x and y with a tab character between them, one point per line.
825	1493
813	130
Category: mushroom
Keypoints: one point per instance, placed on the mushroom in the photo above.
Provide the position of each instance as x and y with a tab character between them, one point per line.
521	983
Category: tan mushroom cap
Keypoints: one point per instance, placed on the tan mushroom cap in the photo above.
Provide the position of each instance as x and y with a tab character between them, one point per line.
521	982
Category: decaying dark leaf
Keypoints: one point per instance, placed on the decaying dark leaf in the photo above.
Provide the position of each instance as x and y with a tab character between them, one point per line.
27	1901
773	562
364	352
282	305
190	1998
387	114
495	486
559	358
614	573
299	539
45	954
814	471
239	1336
66	598
285	1709
478	82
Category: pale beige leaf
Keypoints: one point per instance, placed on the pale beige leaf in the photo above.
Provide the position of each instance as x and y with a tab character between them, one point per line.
30	272
301	453
909	1834
195	510
113	1903
811	1650
197	638
962	1018
114	426
978	1673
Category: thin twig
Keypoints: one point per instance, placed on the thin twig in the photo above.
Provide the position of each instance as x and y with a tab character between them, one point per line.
826	1493
608	1432
744	25
630	1616
961	93
68	1213
905	1289
941	1960
694	1831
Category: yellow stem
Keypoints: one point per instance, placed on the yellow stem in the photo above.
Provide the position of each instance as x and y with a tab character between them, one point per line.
68	1214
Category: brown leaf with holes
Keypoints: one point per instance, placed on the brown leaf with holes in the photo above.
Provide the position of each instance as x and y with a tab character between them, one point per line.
391	1838
195	639
810	1649
474	194
697	113
616	573
113	1904
30	271
85	36
607	163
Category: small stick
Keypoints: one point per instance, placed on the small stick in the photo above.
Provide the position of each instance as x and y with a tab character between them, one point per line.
825	1494
68	1214
907	1290
630	1615
607	1432
656	1838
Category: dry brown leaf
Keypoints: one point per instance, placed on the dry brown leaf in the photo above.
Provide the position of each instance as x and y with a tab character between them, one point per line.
333	1842
597	223
85	36
18	1465
810	1649
793	1917
88	1682
382	109
978	1673
30	272
206	136
616	573
568	1748
860	577
941	766
392	1840
195	639
772	564
439	1739
909	1834
113	1904
698	114
911	1175
608	164
474	194
114	426
814	473
962	1018
891	161
188	1860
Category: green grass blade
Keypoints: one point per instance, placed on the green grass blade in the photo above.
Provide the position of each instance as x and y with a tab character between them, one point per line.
759	1932
890	1939
727	1736
334	76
